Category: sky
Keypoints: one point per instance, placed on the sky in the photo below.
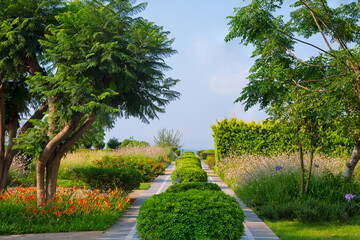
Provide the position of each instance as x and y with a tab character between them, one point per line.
212	73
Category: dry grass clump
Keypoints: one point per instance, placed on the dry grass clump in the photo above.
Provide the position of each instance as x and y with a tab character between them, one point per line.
83	158
237	170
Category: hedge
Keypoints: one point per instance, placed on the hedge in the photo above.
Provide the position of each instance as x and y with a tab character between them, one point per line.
237	136
126	179
189	160
182	187
193	214
189	175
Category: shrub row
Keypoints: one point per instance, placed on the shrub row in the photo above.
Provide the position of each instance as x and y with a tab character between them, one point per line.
189	168
121	172
190	210
237	136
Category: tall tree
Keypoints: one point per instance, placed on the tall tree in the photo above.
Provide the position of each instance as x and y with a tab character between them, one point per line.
102	64
23	23
333	70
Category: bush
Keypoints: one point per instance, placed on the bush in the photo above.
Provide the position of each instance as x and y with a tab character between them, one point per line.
188	154
126	179
148	167
168	138
192	214
187	160
204	153
182	187
190	175
131	142
113	143
210	161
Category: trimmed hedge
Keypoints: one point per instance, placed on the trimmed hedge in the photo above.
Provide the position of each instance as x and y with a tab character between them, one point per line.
193	214
126	179
188	153
190	175
204	153
203	186
181	161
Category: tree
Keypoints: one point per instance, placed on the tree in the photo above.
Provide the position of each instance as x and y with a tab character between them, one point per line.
98	63
113	143
168	138
23	23
333	71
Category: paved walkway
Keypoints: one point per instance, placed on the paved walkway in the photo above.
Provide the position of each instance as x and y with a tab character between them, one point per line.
125	229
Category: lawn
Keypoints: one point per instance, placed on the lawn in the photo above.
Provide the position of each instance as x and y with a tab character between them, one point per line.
294	230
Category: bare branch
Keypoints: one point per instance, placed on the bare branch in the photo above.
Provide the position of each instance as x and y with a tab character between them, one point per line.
323	79
317	24
311	65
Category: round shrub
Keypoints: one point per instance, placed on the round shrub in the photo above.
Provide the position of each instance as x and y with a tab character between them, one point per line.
187	161
187	153
203	186
192	214
126	179
190	175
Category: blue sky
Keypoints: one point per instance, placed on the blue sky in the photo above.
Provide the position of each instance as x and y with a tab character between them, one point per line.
212	72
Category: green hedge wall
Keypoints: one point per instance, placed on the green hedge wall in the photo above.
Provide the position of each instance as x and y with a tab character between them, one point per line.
237	136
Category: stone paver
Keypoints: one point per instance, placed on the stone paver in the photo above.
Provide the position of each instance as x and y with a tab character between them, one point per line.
125	229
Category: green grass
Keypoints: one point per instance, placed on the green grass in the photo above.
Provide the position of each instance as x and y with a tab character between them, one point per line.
293	230
144	186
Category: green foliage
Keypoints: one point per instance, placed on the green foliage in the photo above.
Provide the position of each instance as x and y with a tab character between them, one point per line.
204	153
148	168
126	179
190	174
183	187
237	136
188	153
131	142
113	143
277	197
181	161
192	214
168	138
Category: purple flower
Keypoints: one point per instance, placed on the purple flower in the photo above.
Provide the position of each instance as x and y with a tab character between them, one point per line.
278	168
349	196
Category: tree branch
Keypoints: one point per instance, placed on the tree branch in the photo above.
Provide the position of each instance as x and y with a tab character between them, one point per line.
311	65
317	24
323	79
39	114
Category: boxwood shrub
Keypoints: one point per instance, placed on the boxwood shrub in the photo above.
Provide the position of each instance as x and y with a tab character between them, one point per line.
126	179
189	174
182	187
181	161
187	153
193	214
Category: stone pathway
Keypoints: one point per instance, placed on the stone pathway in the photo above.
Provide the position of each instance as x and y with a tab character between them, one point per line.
255	229
125	229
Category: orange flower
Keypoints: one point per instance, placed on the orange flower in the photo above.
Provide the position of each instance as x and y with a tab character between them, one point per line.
35	211
55	213
49	210
41	204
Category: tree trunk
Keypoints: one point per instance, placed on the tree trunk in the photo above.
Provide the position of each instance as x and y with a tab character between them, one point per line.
10	152
310	169
49	159
13	126
354	159
2	133
302	169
